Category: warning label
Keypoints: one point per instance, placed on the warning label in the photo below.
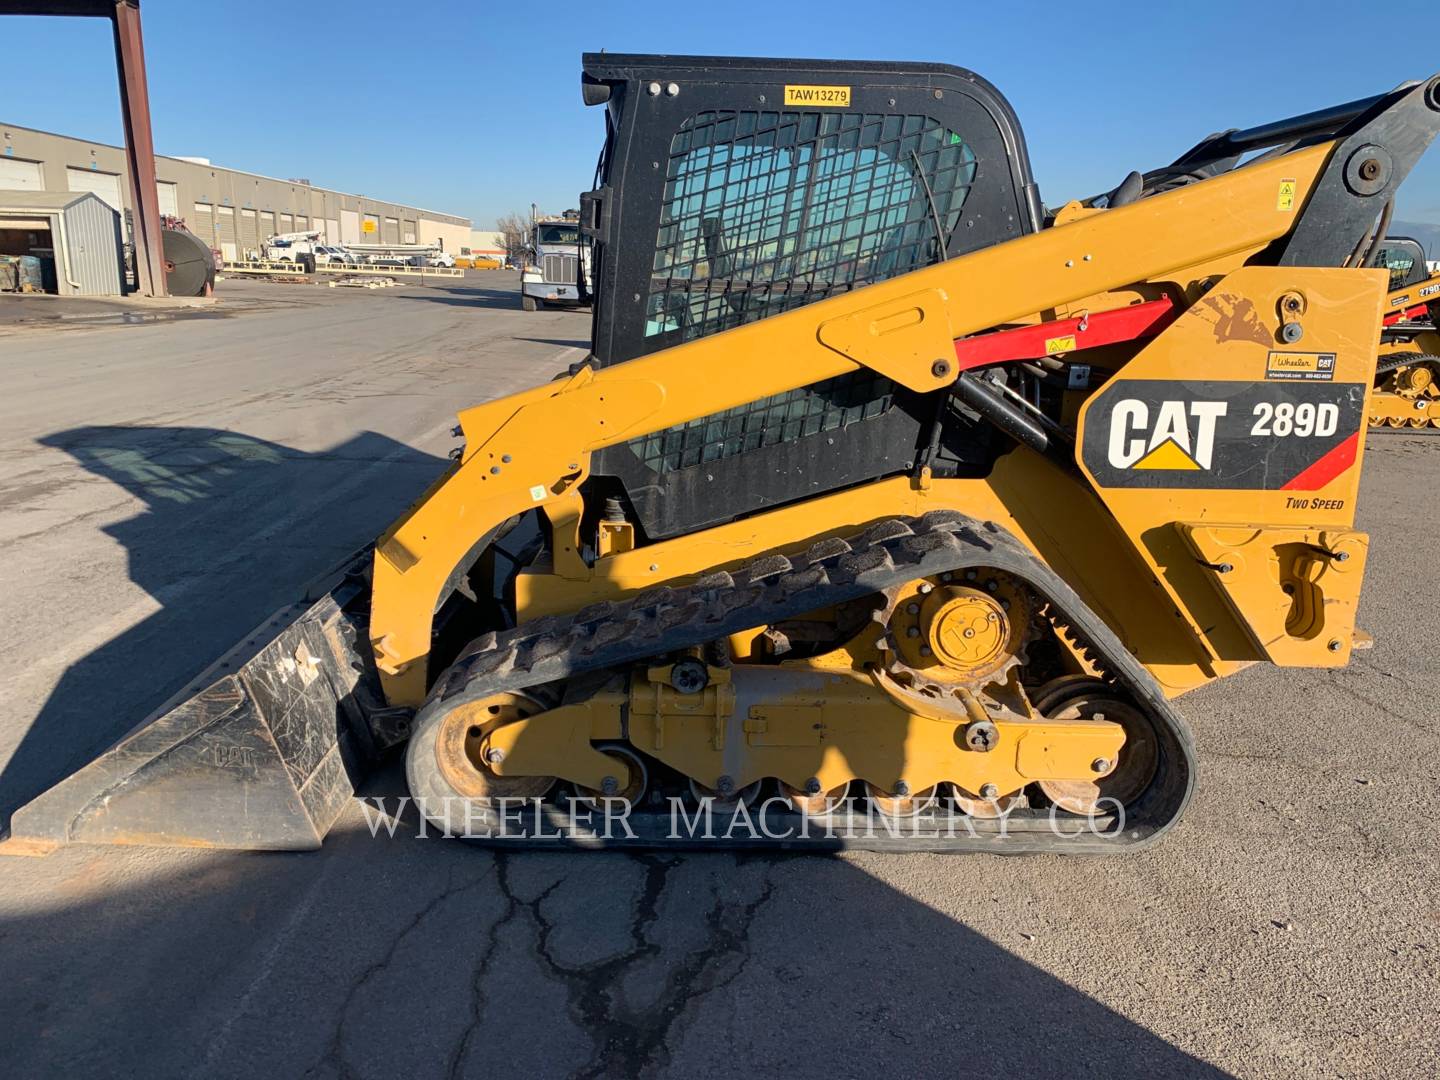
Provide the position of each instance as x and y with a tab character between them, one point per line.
1055	345
1286	199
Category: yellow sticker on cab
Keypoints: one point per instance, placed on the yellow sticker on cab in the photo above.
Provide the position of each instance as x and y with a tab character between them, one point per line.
817	95
1285	200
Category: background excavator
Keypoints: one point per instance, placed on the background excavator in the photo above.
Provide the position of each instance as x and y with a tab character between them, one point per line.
1407	378
886	495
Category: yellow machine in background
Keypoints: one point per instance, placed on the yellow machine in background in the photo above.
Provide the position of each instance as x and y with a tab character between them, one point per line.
886	495
1407	382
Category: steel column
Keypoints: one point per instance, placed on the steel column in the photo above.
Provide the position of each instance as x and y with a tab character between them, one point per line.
139	149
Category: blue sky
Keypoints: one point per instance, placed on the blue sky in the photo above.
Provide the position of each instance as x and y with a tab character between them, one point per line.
479	112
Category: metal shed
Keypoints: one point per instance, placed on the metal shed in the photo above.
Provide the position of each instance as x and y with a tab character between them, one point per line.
84	233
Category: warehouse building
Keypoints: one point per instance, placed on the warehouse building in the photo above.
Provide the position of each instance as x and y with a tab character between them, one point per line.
485	242
232	210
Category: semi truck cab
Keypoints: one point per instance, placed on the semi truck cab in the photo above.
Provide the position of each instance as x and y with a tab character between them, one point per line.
558	270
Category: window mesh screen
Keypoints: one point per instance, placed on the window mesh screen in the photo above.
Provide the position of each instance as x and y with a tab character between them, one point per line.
768	211
1399	262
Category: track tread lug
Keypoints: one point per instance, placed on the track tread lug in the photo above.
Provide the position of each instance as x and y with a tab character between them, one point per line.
882	531
765	567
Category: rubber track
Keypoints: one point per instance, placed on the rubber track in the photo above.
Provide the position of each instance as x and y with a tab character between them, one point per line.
1399	360
773	587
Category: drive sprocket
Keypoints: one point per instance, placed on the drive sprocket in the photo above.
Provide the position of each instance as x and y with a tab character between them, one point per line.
966	629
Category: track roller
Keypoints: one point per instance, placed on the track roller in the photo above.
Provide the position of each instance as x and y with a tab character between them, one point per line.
992	805
630	780
815	804
894	805
725	804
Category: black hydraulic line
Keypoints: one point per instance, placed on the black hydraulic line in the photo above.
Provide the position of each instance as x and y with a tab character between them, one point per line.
1381	229
1295	127
994	409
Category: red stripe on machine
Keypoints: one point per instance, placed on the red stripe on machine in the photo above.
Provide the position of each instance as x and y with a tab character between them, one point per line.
1407	315
1330	465
1088	332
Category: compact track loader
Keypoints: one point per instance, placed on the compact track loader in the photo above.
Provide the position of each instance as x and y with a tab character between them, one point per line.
892	508
1407	378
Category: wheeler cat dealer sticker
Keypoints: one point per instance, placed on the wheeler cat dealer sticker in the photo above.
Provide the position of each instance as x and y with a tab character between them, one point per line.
1248	436
1301	366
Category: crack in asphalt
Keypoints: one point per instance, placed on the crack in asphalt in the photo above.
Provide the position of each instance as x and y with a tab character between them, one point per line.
479	997
625	1042
1418	723
335	1051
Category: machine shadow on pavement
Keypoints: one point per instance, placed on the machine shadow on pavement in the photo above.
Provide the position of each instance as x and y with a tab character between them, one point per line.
233	528
383	956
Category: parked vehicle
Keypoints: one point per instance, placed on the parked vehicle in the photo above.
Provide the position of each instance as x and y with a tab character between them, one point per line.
330	253
558	271
290	247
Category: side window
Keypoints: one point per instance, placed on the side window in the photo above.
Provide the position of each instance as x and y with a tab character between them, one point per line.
1399	262
767	211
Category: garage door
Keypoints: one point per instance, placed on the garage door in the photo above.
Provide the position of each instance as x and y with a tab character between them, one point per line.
169	198
392	230
267	224
409	234
370	229
332	231
202	224
349	227
249	232
302	223
17	174
106	185
225	225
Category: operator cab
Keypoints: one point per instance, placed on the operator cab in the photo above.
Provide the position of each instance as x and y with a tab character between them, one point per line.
1405	259
763	186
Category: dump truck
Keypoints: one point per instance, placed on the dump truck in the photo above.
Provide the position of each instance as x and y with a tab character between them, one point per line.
1407	378
893	507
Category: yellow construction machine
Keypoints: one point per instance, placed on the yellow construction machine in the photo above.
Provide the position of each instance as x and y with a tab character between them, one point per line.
892	508
1407	378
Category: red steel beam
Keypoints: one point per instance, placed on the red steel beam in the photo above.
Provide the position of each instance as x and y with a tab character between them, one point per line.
139	148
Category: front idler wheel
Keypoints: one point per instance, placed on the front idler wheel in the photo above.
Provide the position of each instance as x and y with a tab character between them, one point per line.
446	766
